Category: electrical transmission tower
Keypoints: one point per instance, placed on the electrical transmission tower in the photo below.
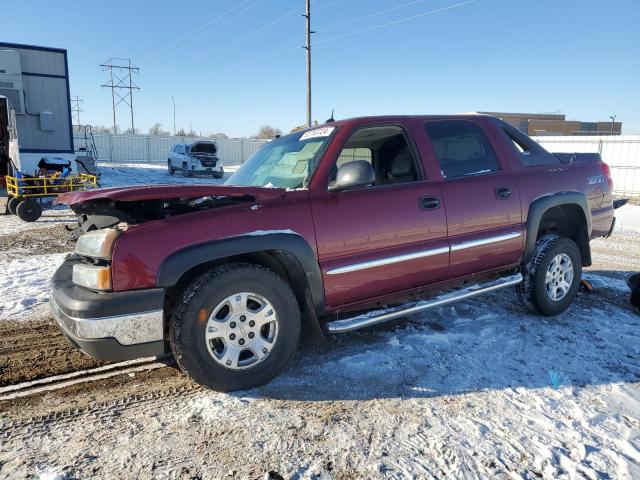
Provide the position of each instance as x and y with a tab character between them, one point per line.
76	109
121	71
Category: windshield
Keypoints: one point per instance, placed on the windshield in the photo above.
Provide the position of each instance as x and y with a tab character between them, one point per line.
286	162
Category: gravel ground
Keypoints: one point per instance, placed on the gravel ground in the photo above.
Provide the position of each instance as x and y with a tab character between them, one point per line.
482	389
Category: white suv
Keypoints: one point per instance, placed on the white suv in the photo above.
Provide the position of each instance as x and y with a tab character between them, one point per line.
198	158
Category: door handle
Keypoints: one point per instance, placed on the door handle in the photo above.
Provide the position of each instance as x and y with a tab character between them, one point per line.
429	203
503	193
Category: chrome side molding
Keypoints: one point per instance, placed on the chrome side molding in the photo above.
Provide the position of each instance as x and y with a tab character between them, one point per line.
379	316
388	260
484	241
423	253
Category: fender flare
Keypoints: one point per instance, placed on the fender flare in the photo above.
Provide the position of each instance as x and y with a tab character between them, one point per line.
541	205
289	242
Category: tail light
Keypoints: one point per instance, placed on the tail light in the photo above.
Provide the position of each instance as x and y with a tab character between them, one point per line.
606	170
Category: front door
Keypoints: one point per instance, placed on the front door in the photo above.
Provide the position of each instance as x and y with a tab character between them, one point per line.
482	203
386	237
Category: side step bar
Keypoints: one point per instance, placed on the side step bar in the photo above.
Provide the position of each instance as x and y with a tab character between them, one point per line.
379	316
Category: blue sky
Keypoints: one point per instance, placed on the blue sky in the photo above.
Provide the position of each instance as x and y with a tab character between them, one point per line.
240	71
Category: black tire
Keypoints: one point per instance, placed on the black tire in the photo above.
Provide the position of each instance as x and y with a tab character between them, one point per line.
12	204
534	289
28	210
219	174
185	170
188	325
170	168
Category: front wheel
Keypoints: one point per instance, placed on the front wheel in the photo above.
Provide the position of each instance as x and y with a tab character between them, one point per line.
552	277
236	327
219	174
170	168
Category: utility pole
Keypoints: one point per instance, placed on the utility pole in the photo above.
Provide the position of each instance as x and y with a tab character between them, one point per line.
174	115
307	47
613	119
76	109
121	84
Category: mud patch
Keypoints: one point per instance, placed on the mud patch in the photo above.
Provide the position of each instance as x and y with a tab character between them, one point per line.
37	241
36	349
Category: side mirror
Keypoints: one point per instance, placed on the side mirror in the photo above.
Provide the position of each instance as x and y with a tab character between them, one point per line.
358	173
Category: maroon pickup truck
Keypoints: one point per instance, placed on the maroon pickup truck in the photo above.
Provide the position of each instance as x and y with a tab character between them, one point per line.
335	228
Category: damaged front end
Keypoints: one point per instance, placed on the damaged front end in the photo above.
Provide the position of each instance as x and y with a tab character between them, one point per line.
125	207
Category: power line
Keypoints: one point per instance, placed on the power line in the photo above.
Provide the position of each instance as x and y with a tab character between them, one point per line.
252	33
395	22
348	34
199	29
374	14
270	24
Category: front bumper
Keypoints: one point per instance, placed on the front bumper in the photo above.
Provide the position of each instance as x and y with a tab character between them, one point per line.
109	325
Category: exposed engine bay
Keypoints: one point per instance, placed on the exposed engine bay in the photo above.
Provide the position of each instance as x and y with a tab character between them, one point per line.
105	213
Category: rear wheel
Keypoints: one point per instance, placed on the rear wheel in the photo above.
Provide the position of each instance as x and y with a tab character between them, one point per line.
236	327
12	204
553	276
28	210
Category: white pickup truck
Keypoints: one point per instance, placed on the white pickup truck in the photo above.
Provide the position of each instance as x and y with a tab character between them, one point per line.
198	158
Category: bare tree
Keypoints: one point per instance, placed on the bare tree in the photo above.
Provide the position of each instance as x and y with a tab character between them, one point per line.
130	131
267	132
157	130
218	136
181	133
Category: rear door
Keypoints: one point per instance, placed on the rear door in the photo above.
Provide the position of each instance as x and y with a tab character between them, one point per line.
484	216
383	238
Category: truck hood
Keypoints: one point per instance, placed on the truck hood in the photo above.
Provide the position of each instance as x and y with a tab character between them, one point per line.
170	192
110	207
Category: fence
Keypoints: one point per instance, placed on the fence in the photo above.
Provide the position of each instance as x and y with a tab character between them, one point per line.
620	152
154	149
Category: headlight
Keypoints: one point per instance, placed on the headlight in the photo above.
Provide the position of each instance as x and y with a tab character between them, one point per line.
97	244
92	276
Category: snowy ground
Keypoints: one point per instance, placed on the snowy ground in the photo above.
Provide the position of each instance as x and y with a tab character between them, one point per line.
482	389
24	281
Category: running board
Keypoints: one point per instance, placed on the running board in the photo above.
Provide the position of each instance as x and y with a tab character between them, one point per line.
379	316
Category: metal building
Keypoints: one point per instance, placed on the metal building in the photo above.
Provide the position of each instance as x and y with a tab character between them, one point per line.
35	81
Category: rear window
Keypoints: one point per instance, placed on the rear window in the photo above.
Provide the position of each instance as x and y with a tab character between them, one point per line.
462	148
529	152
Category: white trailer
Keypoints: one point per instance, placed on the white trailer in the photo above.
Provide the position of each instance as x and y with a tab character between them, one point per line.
35	82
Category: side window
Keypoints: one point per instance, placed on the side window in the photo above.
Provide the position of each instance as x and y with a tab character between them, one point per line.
462	148
530	153
386	148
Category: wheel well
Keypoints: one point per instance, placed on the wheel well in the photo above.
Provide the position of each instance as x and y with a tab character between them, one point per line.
282	263
567	221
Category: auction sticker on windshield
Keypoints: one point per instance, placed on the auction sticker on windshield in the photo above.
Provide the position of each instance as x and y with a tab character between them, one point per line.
317	132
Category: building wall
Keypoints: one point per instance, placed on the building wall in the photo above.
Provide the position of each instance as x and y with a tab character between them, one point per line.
46	87
555	124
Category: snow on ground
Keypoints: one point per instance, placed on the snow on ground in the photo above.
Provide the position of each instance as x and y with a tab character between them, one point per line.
119	174
481	389
628	217
24	282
